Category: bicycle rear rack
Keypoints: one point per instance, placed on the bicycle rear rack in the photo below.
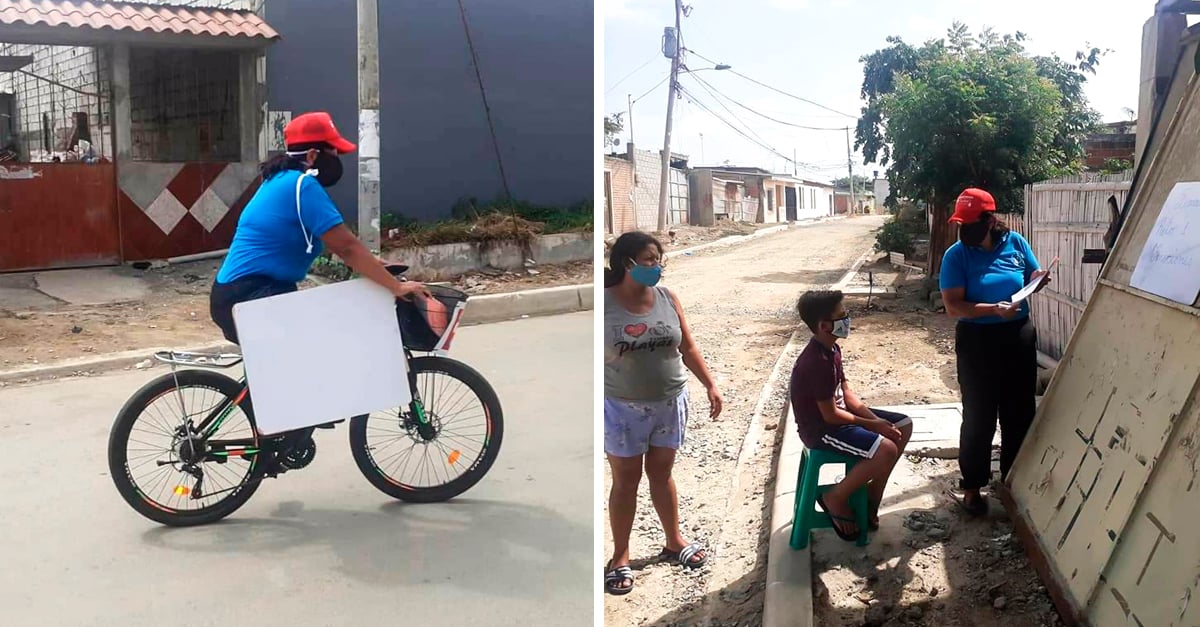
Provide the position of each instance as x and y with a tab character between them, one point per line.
199	360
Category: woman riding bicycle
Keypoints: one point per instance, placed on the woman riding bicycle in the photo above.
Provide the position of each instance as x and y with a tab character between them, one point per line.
288	223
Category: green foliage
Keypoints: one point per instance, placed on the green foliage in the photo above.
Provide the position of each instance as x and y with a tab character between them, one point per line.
613	125
330	267
968	110
498	220
860	182
894	237
1115	166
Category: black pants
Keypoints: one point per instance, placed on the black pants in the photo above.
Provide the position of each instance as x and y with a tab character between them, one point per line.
225	295
997	374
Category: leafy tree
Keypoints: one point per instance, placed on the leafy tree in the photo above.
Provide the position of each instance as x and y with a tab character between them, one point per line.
613	125
972	110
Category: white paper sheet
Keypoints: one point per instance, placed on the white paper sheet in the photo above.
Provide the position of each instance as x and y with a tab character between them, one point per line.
1169	265
1028	290
322	354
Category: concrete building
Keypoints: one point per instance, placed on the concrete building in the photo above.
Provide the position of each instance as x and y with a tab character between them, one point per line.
635	180
1115	140
752	194
136	129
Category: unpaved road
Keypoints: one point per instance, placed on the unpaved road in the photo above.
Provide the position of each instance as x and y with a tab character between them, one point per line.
740	301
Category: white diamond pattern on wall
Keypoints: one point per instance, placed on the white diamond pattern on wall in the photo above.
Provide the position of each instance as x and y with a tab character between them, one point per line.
166	211
209	210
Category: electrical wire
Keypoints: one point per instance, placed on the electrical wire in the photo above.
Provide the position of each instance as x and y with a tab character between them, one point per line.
648	91
707	85
776	89
696	101
640	68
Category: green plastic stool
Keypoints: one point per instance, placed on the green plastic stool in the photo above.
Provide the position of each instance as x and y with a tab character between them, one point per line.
807	517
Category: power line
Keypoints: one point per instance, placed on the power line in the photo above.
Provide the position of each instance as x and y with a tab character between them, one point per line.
487	110
648	91
706	86
640	68
776	89
763	115
696	101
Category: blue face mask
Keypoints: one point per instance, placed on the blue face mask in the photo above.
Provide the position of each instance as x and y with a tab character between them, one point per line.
646	275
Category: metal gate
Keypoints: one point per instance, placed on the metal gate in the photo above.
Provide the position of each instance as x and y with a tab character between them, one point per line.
58	215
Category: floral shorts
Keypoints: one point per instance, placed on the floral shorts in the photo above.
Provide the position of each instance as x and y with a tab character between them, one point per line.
632	427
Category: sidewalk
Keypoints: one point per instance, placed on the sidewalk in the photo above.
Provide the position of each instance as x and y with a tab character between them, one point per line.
78	322
927	564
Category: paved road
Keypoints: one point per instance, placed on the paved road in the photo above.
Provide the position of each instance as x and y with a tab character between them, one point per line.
318	546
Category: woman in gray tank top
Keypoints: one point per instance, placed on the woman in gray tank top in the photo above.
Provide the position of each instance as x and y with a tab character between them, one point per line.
647	345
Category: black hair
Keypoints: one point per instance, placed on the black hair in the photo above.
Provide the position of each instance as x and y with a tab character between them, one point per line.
817	305
283	161
625	251
999	227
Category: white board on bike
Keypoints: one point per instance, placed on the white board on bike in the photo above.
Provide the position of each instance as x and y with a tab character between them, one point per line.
322	354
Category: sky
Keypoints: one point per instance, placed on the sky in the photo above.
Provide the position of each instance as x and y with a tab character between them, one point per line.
811	49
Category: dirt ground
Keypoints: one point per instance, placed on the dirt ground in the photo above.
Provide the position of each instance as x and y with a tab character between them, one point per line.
929	564
740	303
680	237
175	314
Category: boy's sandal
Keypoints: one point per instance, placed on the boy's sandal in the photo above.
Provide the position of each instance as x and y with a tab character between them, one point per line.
848	537
614	580
684	556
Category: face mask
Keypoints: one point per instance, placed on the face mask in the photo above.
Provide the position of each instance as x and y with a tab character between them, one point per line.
841	327
974	233
646	275
329	169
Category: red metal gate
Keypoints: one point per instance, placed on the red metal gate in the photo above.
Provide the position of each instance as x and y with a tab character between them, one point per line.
58	215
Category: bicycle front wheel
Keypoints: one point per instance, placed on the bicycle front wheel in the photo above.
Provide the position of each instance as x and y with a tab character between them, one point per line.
446	453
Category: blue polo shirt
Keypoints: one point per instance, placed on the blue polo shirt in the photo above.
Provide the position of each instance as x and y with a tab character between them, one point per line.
990	276
268	241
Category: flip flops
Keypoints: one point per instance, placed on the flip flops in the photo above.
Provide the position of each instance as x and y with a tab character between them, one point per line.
617	576
848	537
976	507
684	556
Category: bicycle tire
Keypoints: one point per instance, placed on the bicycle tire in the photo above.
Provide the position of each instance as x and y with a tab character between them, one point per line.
493	415
118	453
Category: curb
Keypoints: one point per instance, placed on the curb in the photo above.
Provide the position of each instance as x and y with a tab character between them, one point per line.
484	309
734	239
787	598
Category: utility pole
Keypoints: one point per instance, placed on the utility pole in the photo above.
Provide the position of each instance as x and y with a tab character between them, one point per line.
795	171
629	97
368	123
850	165
702	148
664	182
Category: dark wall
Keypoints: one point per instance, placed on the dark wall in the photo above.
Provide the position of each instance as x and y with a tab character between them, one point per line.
537	62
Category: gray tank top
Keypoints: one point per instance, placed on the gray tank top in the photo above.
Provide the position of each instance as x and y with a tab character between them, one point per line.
641	352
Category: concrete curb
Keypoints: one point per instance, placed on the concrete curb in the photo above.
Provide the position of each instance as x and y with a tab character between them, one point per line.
484	309
734	239
787	598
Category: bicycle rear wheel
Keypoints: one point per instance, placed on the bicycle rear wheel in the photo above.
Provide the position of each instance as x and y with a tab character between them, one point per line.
445	459
154	430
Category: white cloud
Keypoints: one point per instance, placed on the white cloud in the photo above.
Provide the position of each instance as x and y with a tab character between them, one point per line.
789	5
625	11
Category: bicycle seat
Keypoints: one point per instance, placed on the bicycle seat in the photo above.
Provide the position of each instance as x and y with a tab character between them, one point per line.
397	269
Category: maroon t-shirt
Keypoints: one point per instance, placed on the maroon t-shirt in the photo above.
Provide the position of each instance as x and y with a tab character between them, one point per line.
817	376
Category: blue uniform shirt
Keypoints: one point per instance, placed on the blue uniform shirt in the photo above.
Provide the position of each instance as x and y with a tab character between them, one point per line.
269	241
990	276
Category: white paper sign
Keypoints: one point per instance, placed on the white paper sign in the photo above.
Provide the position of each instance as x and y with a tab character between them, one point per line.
1028	290
1169	265
322	354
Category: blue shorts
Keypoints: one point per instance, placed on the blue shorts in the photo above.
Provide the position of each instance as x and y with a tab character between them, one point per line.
632	427
857	441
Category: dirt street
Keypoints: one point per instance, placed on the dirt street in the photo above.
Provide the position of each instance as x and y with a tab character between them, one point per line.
175	313
740	302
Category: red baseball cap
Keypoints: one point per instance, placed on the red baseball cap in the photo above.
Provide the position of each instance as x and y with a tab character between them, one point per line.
311	128
971	205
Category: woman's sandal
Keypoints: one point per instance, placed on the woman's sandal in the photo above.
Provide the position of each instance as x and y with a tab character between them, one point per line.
614	579
848	537
976	507
684	556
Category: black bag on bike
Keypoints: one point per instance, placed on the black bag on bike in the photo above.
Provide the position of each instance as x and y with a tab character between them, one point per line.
414	317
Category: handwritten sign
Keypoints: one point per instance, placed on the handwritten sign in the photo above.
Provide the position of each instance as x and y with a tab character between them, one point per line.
1169	265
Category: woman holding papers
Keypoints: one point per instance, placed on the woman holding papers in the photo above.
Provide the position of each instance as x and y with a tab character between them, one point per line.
995	341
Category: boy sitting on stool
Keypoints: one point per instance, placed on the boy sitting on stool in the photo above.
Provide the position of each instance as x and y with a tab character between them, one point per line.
830	417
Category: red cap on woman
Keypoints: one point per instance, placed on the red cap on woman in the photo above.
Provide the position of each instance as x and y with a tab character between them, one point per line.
971	205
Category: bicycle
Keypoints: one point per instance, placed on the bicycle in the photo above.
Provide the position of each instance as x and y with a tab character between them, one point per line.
226	449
